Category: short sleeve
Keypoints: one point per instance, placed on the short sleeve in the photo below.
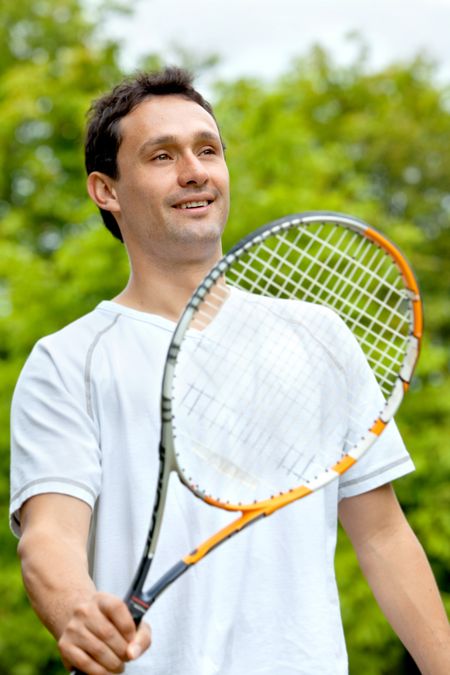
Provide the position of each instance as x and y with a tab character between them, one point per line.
54	441
383	463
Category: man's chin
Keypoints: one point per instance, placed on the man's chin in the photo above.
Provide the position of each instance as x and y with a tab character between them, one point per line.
200	244
198	230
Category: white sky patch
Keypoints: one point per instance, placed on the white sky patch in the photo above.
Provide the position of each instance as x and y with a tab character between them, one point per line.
261	37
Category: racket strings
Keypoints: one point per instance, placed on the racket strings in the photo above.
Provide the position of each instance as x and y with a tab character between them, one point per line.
315	290
350	290
244	451
369	274
270	392
235	437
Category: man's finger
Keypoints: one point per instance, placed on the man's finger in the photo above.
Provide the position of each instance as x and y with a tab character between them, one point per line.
141	642
118	614
89	661
92	629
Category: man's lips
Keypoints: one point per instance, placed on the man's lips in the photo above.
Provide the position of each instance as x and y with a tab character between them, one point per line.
200	201
193	204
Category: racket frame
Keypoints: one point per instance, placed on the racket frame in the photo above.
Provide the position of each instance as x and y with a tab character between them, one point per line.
139	601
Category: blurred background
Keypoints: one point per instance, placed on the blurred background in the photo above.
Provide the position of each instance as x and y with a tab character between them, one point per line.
336	106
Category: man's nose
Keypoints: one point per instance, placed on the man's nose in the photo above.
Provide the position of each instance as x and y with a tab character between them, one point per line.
192	171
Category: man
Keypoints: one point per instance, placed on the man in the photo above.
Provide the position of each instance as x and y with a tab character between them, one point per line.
84	450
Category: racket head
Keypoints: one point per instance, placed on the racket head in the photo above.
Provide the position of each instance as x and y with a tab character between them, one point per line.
266	394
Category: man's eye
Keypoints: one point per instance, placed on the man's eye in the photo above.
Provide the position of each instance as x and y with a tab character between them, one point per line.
208	151
161	156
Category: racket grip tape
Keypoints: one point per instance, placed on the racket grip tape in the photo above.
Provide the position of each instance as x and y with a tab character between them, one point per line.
138	605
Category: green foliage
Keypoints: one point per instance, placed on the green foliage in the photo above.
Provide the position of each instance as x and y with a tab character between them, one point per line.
56	66
320	137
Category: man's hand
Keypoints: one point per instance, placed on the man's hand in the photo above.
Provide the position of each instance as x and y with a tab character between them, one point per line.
95	631
101	636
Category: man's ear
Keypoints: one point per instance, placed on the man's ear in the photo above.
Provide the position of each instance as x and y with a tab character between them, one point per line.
102	191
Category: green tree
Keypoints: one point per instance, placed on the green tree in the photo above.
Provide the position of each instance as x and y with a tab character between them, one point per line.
53	65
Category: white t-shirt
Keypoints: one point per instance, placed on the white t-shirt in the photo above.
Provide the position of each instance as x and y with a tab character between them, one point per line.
85	422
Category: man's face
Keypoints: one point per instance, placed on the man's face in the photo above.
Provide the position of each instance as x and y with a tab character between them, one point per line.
173	185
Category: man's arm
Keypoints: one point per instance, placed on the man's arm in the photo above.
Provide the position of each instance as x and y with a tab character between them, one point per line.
398	572
95	631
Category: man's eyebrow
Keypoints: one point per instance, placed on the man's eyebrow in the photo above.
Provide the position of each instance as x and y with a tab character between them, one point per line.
170	139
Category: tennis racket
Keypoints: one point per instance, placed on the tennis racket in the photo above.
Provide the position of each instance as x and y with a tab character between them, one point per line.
285	367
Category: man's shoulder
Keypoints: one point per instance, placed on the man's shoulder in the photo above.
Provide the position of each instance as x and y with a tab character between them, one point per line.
69	348
80	332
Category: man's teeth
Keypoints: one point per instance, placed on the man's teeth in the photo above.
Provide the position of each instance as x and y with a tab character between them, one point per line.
193	205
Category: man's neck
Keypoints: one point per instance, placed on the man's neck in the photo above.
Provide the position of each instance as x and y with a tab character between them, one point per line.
161	291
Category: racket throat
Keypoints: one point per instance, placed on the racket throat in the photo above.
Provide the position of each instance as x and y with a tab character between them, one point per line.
138	604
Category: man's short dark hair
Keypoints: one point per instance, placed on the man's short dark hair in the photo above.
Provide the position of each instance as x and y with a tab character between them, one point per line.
103	136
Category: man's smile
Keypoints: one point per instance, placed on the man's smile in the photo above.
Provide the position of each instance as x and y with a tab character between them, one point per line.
193	205
198	202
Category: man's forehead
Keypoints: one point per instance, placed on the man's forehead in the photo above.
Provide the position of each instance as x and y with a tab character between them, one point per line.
170	115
